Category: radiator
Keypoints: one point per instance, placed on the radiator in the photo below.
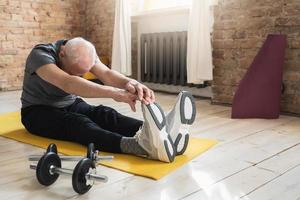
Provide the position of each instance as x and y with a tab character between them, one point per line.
163	57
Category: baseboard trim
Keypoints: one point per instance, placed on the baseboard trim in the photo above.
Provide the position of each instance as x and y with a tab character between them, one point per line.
175	89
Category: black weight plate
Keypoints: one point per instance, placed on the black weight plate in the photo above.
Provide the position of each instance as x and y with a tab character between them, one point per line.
52	148
42	171
78	178
91	151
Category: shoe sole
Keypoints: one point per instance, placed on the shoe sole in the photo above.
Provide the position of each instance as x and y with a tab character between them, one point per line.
160	121
187	117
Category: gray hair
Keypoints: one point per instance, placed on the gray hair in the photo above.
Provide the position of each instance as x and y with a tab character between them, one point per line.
77	48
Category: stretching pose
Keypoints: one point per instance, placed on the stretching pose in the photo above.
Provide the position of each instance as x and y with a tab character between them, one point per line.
52	107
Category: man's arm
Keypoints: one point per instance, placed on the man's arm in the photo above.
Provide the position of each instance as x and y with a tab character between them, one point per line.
116	79
109	76
81	87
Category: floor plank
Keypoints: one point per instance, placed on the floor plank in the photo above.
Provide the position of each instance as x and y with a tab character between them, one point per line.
254	181
206	170
285	186
254	157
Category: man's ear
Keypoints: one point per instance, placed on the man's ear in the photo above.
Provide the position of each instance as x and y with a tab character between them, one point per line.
62	52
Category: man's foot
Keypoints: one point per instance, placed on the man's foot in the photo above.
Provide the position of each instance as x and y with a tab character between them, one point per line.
179	119
153	137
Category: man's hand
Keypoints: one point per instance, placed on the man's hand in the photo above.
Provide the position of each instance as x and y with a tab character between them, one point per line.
144	94
126	97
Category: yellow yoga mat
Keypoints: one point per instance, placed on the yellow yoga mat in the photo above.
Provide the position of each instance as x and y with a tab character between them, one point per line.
11	127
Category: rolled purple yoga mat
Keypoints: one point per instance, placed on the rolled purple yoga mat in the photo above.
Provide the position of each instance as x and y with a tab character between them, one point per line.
259	92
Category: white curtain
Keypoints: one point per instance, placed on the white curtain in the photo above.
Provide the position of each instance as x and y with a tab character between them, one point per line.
121	53
199	50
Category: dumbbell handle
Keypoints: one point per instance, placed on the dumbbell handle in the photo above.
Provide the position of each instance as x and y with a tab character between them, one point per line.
58	170
70	158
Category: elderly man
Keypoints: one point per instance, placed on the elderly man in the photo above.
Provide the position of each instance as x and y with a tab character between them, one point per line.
51	106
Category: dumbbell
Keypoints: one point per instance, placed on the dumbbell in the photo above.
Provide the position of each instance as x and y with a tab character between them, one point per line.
91	154
49	168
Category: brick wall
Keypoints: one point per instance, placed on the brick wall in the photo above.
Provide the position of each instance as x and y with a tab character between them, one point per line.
240	28
24	23
99	26
100	17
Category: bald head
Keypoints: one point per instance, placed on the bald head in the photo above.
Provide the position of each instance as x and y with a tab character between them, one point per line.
78	56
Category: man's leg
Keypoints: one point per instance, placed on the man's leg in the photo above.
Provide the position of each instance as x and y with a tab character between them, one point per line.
108	118
59	124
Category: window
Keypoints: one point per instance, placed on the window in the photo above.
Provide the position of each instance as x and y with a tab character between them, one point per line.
160	4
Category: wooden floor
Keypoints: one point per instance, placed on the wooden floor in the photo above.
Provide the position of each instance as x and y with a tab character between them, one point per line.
255	159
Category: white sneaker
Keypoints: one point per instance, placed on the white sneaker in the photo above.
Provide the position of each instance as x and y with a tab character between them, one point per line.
153	137
179	119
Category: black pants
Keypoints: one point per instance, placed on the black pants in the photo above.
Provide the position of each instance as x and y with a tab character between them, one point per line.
81	123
